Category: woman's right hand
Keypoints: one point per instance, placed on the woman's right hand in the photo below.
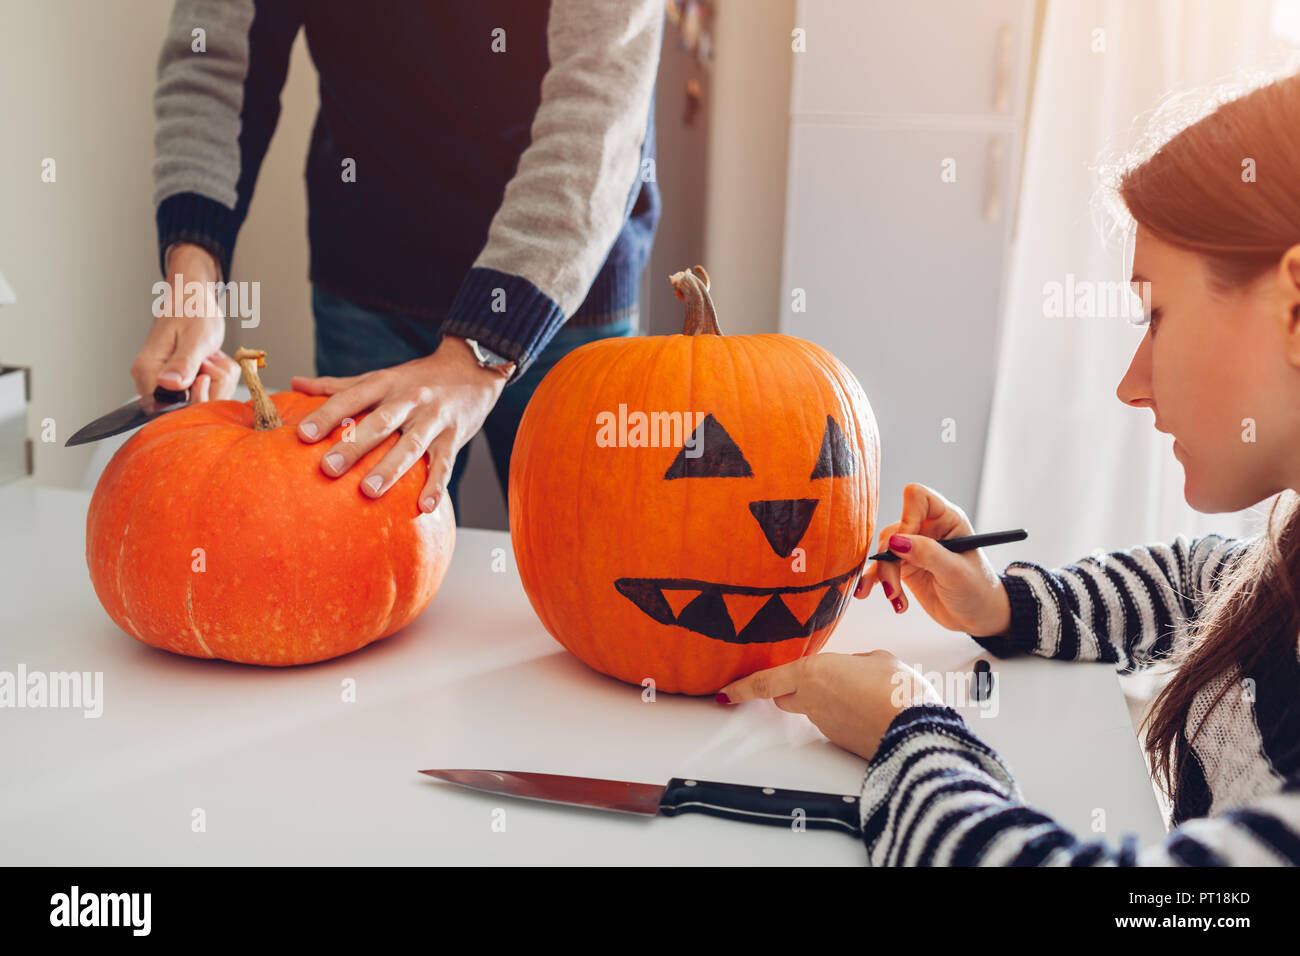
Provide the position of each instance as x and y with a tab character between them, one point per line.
962	592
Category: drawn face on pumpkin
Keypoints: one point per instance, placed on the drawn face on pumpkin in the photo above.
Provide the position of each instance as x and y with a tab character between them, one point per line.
740	612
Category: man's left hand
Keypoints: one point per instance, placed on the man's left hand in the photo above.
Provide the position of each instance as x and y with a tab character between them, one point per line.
438	403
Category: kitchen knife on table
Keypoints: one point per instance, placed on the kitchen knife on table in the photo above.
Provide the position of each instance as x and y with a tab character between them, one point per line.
131	415
733	801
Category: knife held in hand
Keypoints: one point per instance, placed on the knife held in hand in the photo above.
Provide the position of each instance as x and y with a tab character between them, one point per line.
131	415
732	801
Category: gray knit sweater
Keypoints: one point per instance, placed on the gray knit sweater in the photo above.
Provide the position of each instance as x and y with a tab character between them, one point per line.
486	166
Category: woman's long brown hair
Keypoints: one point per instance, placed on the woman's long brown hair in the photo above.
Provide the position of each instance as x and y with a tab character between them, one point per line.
1228	188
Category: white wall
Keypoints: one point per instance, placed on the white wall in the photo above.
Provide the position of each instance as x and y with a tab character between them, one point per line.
76	80
749	137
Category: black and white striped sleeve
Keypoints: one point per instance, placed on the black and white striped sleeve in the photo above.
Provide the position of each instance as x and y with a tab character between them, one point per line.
936	795
1124	607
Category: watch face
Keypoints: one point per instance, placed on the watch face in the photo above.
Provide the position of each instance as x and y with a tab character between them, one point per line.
488	359
491	358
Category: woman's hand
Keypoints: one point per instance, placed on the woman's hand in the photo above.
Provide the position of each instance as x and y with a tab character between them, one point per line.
962	592
851	698
438	403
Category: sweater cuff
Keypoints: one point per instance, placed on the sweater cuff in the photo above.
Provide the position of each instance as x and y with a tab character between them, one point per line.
1022	635
505	313
938	735
919	718
190	217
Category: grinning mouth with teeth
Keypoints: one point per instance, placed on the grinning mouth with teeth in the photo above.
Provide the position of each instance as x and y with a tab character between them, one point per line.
738	614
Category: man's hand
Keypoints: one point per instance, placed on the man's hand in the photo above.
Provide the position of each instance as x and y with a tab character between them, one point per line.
438	403
185	351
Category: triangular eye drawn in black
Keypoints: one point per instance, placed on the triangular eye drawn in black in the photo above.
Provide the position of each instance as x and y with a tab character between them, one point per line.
720	457
836	459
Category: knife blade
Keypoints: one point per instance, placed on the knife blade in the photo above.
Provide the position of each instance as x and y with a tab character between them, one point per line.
731	801
131	415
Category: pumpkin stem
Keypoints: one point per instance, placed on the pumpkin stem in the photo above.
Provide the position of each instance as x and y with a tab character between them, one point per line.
265	416
692	287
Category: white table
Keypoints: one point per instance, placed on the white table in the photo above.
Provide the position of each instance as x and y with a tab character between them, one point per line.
285	772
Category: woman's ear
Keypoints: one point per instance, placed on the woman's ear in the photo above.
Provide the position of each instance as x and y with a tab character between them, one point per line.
1288	278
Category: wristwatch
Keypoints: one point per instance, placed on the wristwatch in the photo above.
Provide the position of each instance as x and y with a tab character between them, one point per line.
490	360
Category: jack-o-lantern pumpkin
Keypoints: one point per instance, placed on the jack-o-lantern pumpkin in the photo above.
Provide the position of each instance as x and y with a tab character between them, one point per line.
214	533
687	509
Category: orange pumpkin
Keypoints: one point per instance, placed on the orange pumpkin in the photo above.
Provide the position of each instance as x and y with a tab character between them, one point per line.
214	533
694	552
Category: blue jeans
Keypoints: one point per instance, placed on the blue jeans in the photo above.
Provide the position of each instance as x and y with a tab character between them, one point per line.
353	340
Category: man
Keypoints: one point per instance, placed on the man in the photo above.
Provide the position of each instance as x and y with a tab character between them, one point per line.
481	195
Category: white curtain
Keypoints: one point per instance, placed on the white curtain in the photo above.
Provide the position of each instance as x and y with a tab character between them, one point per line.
1065	458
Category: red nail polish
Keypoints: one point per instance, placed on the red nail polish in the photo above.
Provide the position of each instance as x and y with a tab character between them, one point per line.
722	699
899	544
889	591
898	605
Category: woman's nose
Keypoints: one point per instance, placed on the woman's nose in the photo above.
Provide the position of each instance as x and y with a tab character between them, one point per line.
1135	387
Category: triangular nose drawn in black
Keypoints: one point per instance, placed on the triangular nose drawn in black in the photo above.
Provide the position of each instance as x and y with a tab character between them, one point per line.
784	521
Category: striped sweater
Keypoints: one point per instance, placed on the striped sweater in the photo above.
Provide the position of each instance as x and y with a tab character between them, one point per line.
935	795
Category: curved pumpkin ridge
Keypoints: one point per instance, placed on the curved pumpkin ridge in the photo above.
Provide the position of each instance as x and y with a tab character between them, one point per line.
694	347
849	395
776	359
698	349
280	476
792	359
107	546
525	537
564	521
764	356
241	421
150	526
403	580
423	588
686	400
827	381
623	662
235	416
598	654
866	439
816	374
419	590
518	490
705	350
626	352
623	352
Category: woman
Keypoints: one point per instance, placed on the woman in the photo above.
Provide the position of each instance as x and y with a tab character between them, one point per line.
1218	240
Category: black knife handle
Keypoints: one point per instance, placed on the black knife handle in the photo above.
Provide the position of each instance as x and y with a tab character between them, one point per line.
780	808
169	397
